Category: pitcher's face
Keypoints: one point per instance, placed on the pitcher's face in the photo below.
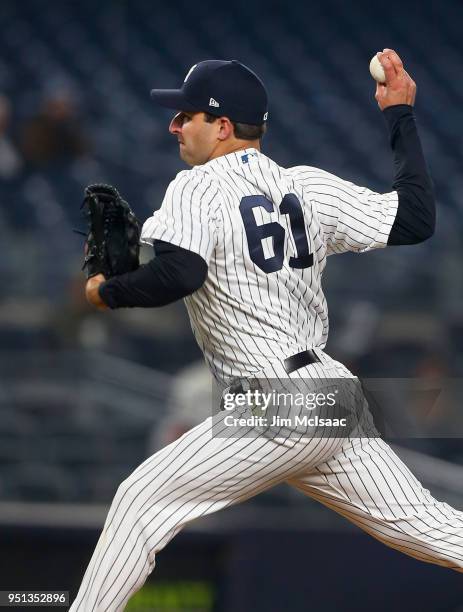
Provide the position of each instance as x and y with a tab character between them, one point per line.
197	138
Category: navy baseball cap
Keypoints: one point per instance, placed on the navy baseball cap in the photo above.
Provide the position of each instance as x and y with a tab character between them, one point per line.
221	88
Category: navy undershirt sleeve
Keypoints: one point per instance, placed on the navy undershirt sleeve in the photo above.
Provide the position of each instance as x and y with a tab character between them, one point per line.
173	274
416	213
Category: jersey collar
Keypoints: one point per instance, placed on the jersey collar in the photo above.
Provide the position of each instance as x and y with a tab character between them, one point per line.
234	160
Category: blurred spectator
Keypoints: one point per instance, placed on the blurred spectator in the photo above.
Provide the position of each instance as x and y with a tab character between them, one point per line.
55	133
190	403
10	160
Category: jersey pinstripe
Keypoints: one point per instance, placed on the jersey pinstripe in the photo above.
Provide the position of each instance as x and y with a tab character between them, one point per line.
245	317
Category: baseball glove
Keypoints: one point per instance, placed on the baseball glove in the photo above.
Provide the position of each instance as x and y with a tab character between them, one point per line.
112	245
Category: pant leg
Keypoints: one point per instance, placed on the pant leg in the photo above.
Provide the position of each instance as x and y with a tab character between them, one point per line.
368	484
194	476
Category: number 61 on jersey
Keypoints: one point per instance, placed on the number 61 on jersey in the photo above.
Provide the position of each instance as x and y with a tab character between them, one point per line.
255	234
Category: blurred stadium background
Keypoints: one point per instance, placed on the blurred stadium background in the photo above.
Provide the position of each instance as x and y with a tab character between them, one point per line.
85	397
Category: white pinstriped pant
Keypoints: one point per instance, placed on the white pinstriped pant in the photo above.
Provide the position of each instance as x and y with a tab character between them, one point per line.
360	478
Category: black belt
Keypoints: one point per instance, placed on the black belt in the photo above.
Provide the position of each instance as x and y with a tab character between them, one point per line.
299	360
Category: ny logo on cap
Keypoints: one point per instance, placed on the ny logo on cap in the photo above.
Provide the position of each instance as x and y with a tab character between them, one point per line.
213	102
189	72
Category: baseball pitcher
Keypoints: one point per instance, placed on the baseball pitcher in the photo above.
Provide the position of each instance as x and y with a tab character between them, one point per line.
244	242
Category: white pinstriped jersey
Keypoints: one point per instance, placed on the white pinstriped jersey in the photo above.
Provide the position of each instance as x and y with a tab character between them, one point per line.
265	232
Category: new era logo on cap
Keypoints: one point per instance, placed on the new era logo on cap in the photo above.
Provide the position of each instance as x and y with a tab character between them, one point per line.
213	102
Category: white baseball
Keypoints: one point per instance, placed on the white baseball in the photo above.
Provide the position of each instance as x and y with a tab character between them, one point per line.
376	70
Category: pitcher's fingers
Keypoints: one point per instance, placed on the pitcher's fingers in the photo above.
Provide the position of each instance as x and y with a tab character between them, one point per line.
380	92
389	68
395	59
